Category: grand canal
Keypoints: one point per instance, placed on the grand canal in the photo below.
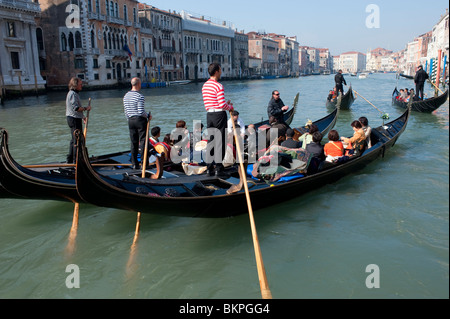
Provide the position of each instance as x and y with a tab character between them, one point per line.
393	214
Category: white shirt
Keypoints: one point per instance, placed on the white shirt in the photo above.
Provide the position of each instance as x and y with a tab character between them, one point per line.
239	122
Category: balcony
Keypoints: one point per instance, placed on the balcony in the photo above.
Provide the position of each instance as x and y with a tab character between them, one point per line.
115	20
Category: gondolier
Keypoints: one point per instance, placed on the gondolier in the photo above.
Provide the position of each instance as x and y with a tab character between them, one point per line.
214	100
74	115
419	79
134	107
339	80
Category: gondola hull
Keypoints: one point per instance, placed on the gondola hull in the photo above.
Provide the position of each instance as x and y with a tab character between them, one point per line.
59	184
182	197
425	106
347	101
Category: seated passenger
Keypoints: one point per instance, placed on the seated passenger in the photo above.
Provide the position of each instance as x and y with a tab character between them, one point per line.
290	143
316	150
315	147
355	144
367	130
334	149
306	138
156	133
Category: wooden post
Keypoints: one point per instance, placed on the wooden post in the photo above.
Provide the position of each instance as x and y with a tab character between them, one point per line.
20	85
1	89
438	71
35	85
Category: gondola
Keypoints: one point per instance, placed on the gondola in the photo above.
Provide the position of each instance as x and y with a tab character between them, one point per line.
50	183
347	100
208	197
425	106
58	182
410	77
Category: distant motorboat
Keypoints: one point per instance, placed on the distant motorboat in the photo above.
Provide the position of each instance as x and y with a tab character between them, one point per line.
363	75
180	82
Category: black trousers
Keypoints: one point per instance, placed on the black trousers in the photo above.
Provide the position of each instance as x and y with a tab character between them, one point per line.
340	88
74	124
419	89
217	131
138	128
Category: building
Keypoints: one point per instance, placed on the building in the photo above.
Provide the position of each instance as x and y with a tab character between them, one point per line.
352	62
164	58
287	54
98	41
20	46
206	41
325	61
416	53
240	58
377	60
303	61
440	43
263	47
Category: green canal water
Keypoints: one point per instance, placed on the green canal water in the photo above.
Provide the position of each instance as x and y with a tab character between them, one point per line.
393	214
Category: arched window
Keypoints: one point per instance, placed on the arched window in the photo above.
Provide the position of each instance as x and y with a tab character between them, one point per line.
125	12
78	44
105	42
71	42
63	42
92	39
40	39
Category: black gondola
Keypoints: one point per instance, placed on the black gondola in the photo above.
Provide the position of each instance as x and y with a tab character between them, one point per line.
57	182
347	100
410	77
207	197
425	106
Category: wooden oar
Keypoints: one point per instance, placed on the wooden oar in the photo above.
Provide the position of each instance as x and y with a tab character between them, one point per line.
87	119
265	291
138	222
368	102
435	86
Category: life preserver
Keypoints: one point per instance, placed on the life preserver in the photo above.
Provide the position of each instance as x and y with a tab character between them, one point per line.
161	148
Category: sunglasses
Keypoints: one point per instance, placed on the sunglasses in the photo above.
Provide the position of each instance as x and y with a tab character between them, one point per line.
277	94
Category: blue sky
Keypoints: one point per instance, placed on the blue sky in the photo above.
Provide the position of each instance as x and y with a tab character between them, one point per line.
337	25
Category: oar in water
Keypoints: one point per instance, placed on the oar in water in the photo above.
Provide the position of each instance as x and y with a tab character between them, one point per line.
265	291
384	116
138	222
435	86
74	230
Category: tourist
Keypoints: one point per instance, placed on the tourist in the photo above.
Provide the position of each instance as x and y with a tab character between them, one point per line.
367	130
290	142
238	122
307	138
74	115
334	149
156	133
356	143
134	107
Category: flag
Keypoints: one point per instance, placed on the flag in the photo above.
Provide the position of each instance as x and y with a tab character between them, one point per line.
126	48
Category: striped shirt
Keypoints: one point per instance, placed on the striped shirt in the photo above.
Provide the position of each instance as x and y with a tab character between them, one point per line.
214	96
133	104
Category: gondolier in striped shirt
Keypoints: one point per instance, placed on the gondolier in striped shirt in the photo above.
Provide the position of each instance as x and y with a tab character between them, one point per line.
134	107
216	107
